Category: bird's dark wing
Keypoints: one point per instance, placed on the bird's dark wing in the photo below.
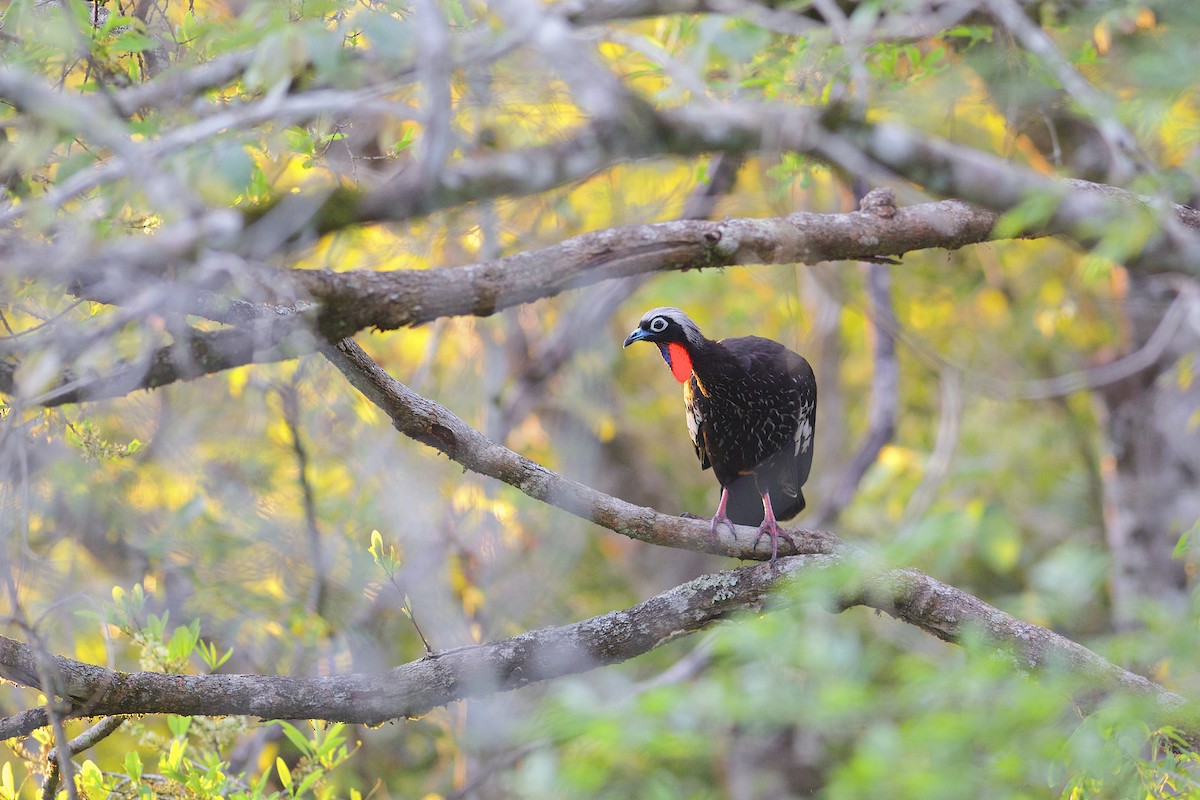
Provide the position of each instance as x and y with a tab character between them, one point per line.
693	402
788	462
804	438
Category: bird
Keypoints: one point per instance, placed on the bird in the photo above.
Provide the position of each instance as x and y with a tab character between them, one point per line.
751	413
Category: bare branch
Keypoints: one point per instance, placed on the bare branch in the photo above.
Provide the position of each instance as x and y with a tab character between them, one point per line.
200	353
1083	212
89	738
358	299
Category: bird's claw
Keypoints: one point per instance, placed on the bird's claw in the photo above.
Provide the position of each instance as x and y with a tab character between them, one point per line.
776	533
715	523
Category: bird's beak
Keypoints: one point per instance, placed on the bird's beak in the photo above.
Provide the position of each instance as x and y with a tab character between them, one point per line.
637	335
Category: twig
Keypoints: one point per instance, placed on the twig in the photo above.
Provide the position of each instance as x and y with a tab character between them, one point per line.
89	738
885	390
289	399
944	445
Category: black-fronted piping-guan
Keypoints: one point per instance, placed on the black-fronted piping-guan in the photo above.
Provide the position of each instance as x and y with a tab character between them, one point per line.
751	412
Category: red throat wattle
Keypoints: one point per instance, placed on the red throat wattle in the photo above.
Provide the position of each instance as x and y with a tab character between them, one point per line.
681	362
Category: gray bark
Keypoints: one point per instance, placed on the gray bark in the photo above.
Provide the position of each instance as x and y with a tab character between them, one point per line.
1152	491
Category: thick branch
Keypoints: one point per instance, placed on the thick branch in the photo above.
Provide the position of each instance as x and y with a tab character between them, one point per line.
1083	212
358	299
352	301
476	671
414	688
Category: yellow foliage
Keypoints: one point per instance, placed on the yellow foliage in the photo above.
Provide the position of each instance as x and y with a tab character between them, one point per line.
332	478
1046	321
267	756
237	377
171	493
1180	130
992	306
1052	293
899	459
467	496
91	649
279	433
1102	37
273	587
1185	374
606	428
932	312
472	599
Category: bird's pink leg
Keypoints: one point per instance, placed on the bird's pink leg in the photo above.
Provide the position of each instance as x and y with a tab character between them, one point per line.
720	517
770	526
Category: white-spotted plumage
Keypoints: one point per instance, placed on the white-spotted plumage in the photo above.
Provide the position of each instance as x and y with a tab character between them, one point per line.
804	428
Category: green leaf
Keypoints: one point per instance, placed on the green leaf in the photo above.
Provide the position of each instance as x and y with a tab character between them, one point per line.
1000	541
178	725
171	762
329	741
92	779
208	652
133	766
1031	213
296	737
157	625
73	164
741	41
182	644
133	41
1182	546
308	782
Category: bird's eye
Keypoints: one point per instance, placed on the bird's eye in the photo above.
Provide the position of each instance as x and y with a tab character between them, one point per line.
658	324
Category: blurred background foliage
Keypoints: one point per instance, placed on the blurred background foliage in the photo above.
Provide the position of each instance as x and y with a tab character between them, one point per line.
190	499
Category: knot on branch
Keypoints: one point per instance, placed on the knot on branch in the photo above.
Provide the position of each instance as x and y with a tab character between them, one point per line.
879	202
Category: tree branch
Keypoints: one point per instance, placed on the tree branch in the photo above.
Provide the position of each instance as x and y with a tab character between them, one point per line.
198	353
417	687
358	299
352	301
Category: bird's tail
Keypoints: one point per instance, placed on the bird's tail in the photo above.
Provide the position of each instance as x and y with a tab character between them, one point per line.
745	503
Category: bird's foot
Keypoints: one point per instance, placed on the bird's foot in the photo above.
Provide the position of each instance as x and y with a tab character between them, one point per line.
714	523
771	528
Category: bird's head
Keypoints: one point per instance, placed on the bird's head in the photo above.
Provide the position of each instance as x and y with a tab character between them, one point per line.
675	334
